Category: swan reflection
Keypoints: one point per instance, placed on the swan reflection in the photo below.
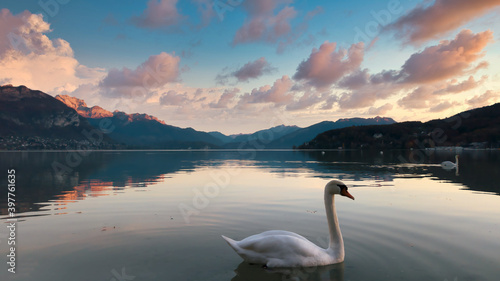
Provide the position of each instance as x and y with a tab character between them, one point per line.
247	272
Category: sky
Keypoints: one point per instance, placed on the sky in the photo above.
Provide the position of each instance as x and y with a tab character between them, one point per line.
238	66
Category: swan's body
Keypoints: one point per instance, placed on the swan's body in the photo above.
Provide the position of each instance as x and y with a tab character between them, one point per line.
448	165
278	248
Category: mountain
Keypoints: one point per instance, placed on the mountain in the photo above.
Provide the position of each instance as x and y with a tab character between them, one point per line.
32	119
142	130
478	127
220	136
262	137
302	135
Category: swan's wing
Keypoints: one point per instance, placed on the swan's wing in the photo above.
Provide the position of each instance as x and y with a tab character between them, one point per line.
281	232
280	250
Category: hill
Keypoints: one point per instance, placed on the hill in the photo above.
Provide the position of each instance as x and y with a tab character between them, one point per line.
34	120
473	128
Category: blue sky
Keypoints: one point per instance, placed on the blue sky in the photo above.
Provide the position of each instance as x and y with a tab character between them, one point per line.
282	50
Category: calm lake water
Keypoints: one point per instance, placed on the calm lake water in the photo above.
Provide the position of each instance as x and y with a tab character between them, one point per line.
158	215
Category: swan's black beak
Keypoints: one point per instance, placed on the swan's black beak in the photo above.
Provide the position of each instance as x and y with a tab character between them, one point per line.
346	193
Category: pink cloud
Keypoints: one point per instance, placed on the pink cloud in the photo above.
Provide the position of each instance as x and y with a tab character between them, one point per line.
158	14
225	99
268	28
463	86
443	16
326	66
174	98
443	106
418	98
278	93
485	99
447	59
262	24
155	72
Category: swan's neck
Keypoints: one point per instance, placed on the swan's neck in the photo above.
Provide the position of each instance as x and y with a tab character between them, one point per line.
336	246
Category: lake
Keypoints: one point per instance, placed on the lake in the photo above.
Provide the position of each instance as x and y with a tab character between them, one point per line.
158	215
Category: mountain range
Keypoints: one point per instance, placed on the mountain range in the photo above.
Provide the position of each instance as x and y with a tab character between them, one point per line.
33	114
142	130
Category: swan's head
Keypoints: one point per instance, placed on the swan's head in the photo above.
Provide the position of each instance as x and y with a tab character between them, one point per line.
338	187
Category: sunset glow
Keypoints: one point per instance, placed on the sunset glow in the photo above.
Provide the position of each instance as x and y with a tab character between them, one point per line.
251	65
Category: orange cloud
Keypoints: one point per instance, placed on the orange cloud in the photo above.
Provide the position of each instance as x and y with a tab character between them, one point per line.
485	99
447	59
443	16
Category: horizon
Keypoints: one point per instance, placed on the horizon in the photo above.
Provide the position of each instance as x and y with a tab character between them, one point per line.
257	64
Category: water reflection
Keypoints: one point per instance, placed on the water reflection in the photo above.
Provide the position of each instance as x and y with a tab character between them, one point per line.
105	173
247	272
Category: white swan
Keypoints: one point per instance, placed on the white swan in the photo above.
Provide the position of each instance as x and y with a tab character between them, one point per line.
448	165
278	248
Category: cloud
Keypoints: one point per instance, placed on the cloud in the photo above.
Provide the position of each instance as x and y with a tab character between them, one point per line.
308	99
381	110
159	14
155	72
262	24
311	14
463	86
326	66
417	98
422	79
367	95
355	80
426	96
447	59
443	106
424	23
173	98
29	57
250	70
278	93
225	99
482	100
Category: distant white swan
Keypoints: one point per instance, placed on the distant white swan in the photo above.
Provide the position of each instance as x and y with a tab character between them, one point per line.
448	165
278	248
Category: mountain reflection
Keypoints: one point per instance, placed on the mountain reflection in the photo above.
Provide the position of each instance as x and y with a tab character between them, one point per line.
107	172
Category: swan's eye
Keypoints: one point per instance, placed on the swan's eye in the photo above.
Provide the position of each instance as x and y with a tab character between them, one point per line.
342	186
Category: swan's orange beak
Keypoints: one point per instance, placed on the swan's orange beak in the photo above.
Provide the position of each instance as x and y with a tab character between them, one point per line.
346	193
